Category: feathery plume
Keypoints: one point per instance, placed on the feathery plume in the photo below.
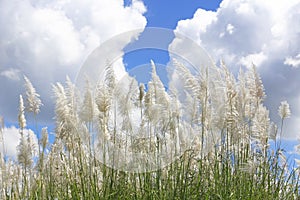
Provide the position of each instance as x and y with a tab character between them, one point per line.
33	99
71	93
103	99
65	120
44	140
87	108
25	151
284	110
21	116
261	126
255	85
110	78
159	89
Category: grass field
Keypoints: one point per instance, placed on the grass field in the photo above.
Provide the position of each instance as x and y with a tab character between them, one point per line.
216	131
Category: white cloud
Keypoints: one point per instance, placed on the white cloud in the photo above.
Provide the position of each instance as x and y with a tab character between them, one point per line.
230	28
257	59
245	9
266	33
139	6
11	137
12	74
46	40
192	28
294	62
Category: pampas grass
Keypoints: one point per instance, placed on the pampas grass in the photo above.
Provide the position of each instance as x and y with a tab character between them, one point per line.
218	129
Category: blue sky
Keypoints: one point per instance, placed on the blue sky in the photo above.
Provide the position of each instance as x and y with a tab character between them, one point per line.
46	40
161	14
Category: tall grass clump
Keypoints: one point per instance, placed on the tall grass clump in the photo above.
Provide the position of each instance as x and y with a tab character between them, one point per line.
215	133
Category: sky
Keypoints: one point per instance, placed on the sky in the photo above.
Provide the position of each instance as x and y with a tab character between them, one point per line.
47	40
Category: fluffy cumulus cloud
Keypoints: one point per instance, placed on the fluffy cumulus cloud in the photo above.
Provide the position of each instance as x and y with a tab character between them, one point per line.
45	40
12	74
266	33
294	62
